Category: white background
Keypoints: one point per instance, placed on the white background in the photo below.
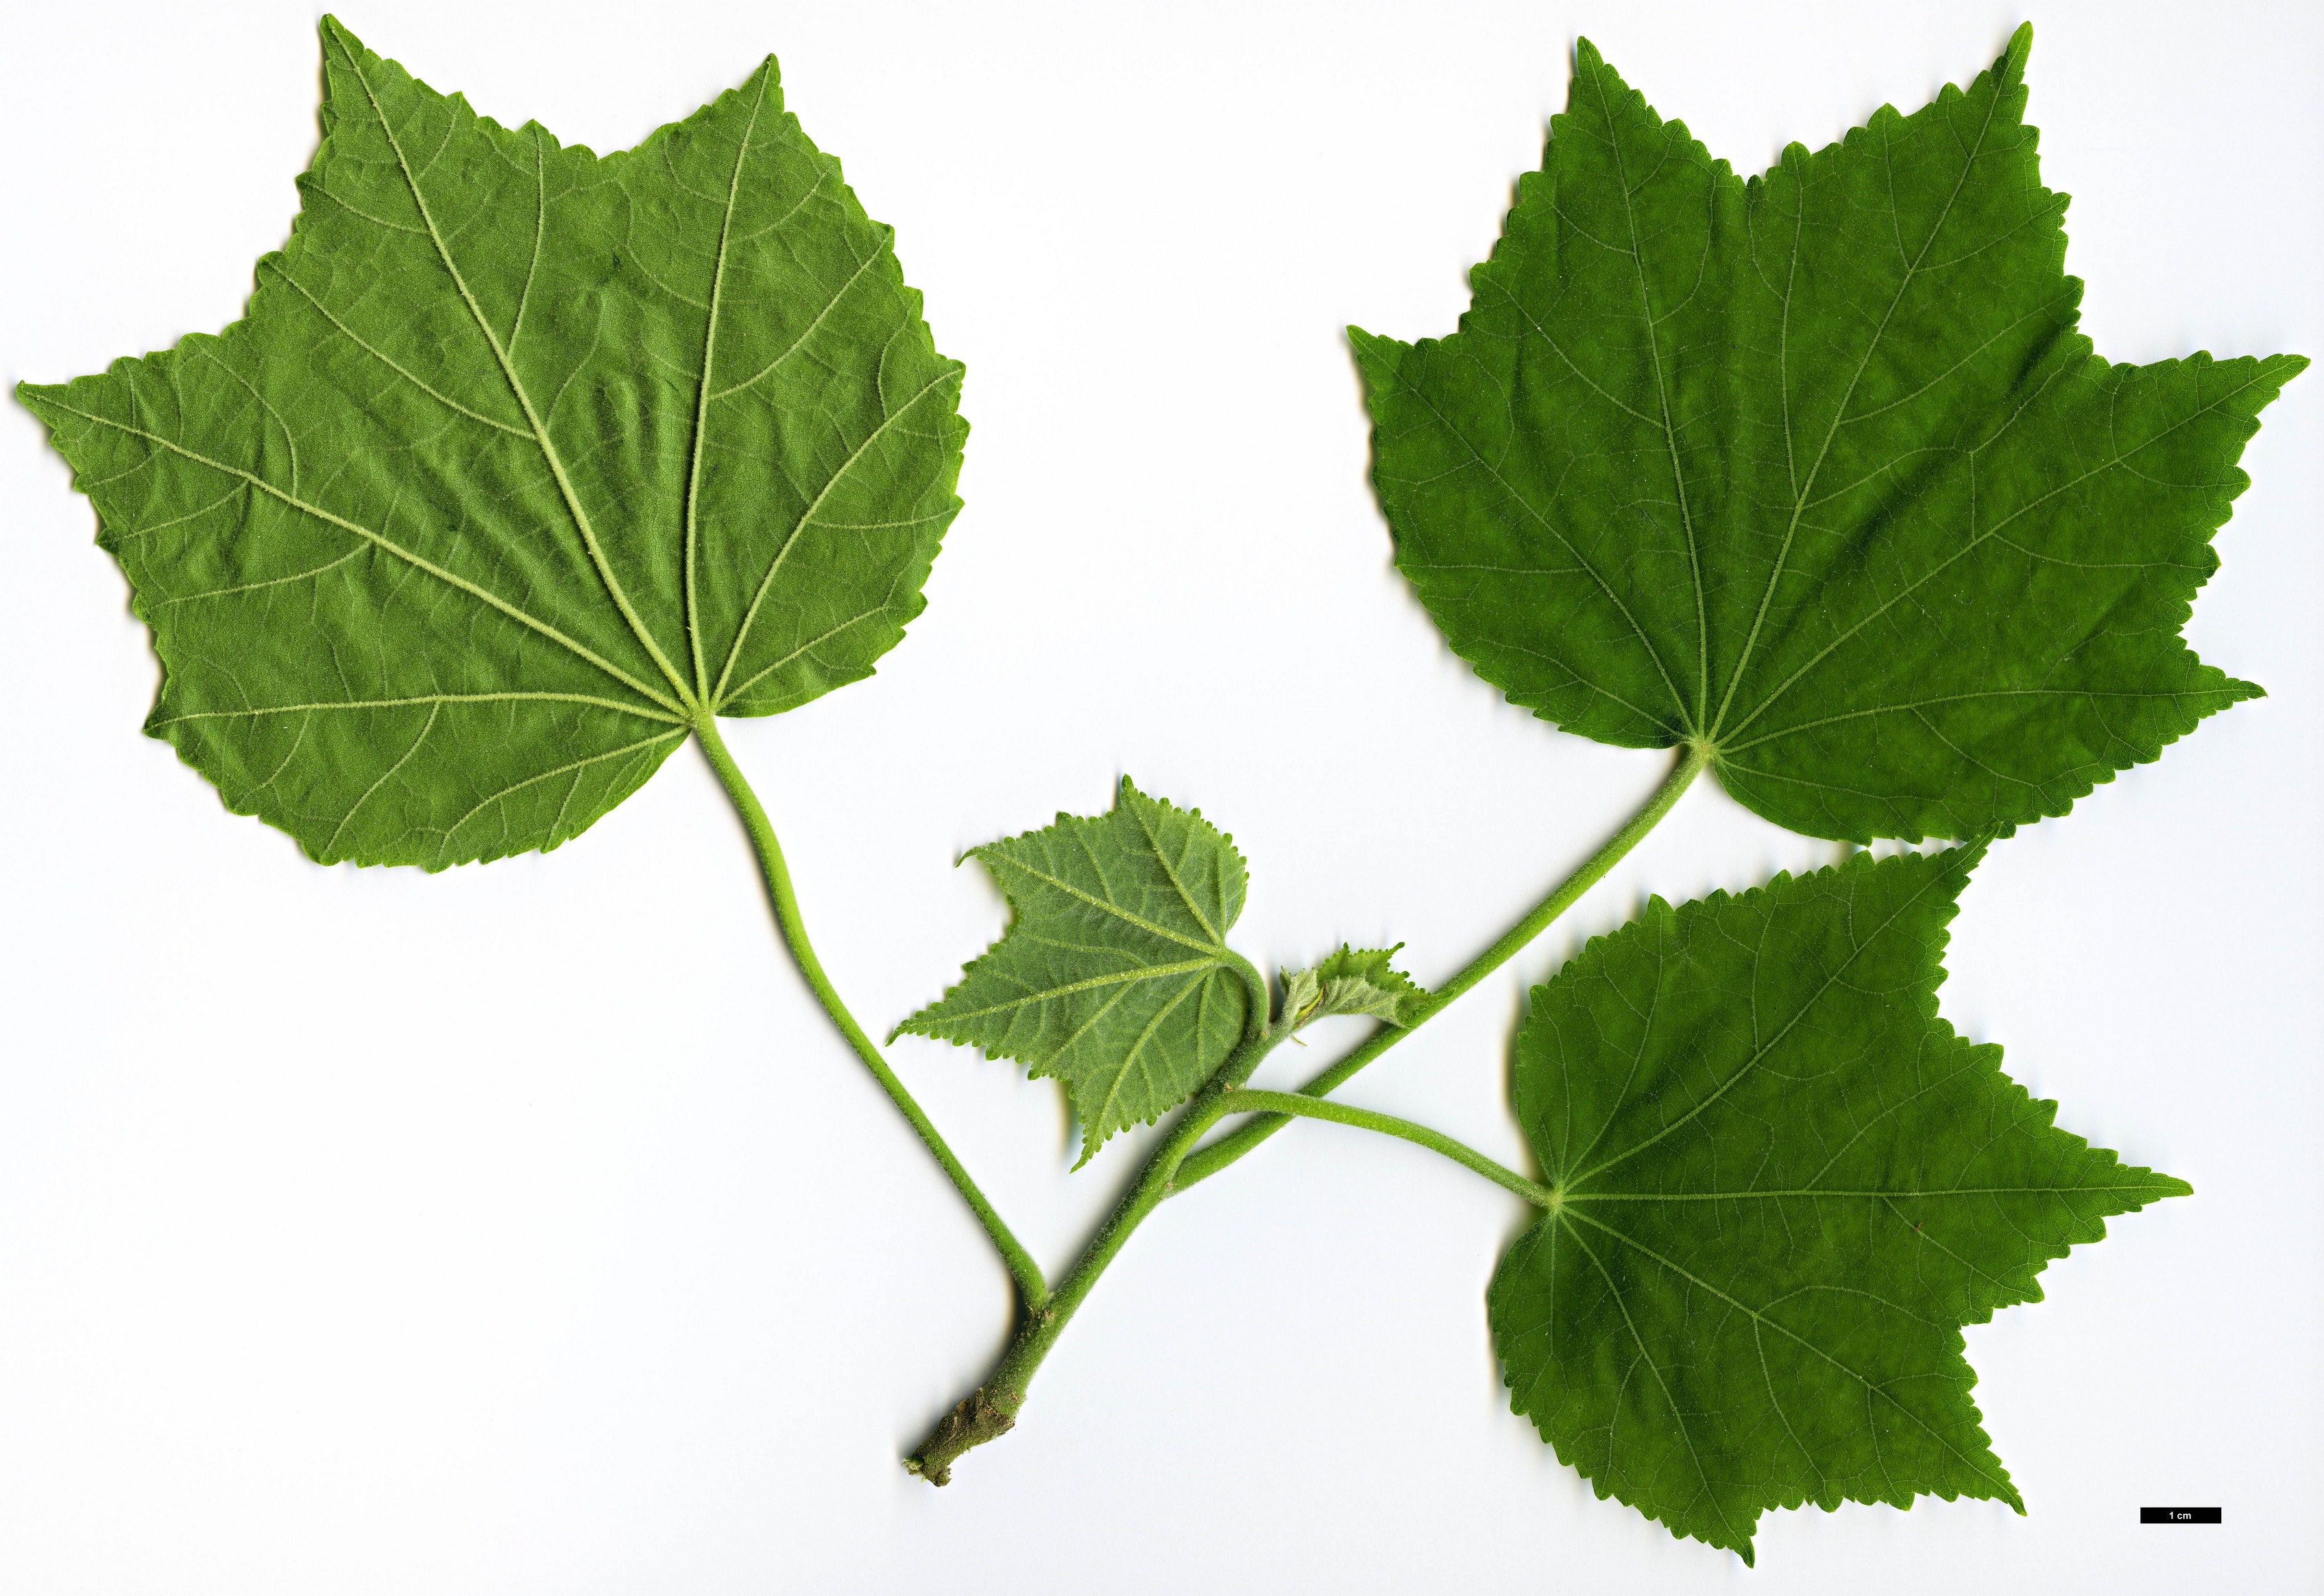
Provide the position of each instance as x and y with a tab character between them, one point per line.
525	1229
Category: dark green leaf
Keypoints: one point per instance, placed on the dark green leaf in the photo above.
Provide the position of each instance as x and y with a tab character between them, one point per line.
1782	1185
1816	470
523	459
1114	977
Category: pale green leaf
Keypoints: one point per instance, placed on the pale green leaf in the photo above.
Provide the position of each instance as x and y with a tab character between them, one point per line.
1351	981
1782	1183
1816	470
1114	976
522	459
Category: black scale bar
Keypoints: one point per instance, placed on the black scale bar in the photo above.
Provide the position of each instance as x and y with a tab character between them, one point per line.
2178	1514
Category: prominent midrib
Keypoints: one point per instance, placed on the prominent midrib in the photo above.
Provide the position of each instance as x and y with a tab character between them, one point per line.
516	386
579	650
1092	983
1215	950
1801	491
2160	1185
1662	398
406	703
1216	934
703	396
2146	695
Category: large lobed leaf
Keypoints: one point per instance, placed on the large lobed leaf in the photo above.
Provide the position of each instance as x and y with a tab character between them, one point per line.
1816	470
1114	976
521	459
1782	1185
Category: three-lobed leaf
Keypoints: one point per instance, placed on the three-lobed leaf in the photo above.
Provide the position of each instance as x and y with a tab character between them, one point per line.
525	461
1114	976
1782	1183
522	460
1815	470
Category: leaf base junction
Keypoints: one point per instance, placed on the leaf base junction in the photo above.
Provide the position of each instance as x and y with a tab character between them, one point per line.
1178	1164
1032	1290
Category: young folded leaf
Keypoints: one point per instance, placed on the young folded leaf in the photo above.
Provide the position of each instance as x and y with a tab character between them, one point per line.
1114	976
1815	470
1352	981
1781	1184
522	460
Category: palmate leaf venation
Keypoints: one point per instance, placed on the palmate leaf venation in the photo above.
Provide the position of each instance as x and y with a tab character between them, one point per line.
1114	976
1816	470
1782	1183
522	460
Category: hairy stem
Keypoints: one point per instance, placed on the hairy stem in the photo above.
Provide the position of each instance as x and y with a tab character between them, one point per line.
1435	1142
990	1411
1693	758
1030	1285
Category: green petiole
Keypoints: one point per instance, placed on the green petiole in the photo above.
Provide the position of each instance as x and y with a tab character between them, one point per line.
990	1410
1208	1161
1031	1288
1296	1105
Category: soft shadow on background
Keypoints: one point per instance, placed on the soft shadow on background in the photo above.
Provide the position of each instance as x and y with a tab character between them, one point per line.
525	1229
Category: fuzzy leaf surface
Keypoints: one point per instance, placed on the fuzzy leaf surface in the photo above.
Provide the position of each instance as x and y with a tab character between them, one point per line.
1815	470
521	459
1782	1185
1351	981
1114	976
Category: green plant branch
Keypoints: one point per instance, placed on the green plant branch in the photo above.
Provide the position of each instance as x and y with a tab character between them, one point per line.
1030	1285
990	1412
1294	1104
1692	757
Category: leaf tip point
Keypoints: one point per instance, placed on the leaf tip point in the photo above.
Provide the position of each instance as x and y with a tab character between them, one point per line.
2009	70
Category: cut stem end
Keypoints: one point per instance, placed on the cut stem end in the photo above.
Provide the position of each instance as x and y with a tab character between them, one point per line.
977	1420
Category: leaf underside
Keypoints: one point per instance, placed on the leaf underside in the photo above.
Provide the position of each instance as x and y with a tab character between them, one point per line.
522	459
1351	981
1815	470
1114	976
1784	1184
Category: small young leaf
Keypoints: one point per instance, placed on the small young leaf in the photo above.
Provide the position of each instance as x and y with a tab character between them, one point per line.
1352	981
1114	976
1815	470
1782	1185
522	459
